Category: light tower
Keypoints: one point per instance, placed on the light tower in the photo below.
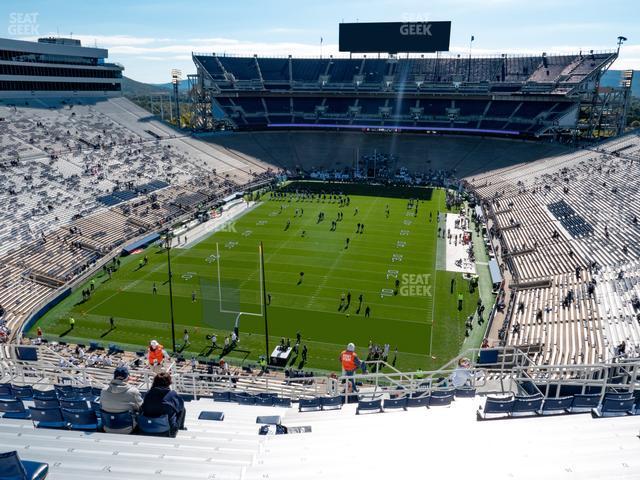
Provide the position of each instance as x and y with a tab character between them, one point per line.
176	76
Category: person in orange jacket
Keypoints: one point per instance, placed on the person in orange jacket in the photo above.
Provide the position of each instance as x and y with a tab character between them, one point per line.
156	356
350	363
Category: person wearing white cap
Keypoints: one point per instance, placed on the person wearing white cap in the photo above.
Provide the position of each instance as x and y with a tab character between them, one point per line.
156	356
350	363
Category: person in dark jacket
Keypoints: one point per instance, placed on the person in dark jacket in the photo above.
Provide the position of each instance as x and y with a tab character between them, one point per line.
161	400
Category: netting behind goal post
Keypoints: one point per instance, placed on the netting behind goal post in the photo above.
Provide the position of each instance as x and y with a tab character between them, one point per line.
225	300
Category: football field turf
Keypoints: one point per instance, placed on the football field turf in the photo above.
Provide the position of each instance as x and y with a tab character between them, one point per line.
306	276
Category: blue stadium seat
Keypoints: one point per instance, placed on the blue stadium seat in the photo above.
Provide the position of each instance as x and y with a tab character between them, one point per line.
331	403
264	401
465	392
392	403
269	419
246	400
215	416
236	396
45	395
83	392
421	401
369	406
13	468
81	419
440	400
527	405
158	426
23	392
96	391
309	404
617	395
584	402
47	417
636	405
63	390
6	391
488	356
267	395
222	396
554	406
95	406
443	392
116	421
14	409
496	406
74	404
615	406
281	402
39	403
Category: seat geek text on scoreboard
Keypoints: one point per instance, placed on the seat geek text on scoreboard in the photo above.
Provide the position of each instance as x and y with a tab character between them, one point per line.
395	37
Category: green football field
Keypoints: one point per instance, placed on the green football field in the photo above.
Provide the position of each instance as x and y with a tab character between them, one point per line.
402	246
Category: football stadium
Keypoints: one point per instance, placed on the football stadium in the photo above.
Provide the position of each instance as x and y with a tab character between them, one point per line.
391	239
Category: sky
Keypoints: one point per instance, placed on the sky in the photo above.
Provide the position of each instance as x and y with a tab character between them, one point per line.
151	37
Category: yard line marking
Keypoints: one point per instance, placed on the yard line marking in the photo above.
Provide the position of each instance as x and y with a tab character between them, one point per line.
323	282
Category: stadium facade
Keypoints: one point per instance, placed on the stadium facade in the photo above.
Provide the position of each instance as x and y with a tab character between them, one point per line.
56	67
516	96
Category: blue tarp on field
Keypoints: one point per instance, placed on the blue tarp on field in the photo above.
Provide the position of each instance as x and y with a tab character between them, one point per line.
140	243
494	270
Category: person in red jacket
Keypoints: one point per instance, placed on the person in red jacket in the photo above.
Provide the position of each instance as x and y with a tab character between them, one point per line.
350	363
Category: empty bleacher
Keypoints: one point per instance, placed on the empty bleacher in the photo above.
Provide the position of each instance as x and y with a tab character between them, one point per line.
570	220
375	83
